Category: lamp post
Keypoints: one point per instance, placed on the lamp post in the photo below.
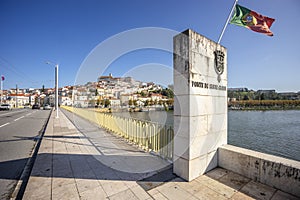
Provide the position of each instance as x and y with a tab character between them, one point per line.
2	79
56	87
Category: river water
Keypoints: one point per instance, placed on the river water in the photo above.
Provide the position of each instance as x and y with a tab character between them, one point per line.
273	132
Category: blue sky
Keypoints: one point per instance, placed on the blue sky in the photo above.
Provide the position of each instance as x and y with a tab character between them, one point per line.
67	31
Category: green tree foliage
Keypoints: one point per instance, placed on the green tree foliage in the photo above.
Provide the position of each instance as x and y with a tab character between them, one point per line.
168	93
146	103
143	94
105	102
246	97
265	104
130	102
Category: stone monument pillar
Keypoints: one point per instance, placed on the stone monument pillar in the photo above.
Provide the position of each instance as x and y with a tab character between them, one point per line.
200	106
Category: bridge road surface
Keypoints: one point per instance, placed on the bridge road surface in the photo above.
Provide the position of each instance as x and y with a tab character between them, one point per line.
18	133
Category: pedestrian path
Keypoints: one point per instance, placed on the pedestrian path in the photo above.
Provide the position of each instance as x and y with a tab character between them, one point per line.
83	161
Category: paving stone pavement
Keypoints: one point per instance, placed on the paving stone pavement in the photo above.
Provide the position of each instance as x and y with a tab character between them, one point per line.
86	162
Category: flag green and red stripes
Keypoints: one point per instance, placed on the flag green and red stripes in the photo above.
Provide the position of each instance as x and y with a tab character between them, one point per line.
252	20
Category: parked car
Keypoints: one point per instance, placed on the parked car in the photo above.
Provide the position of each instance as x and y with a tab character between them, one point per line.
36	106
26	106
5	107
47	107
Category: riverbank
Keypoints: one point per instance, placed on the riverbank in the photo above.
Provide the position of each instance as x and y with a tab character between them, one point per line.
264	105
262	108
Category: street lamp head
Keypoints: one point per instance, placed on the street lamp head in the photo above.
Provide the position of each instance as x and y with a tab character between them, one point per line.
51	63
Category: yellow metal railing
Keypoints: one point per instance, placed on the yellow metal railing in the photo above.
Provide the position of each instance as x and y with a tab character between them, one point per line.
150	136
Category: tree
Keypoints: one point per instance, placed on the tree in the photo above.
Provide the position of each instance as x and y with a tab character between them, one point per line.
170	102
143	94
98	102
151	102
167	92
160	102
246	97
130	102
106	103
230	94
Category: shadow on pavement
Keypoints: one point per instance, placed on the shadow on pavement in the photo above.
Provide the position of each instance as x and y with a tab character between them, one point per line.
100	167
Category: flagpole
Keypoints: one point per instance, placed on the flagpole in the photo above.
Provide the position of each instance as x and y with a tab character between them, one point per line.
1	90
235	2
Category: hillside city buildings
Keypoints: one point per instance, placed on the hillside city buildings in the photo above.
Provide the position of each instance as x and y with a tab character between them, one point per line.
119	92
108	91
237	94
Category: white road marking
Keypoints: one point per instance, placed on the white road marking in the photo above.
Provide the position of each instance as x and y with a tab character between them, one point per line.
19	118
4	124
28	114
10	112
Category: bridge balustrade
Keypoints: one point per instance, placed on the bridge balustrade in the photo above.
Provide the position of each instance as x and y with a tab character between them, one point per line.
150	136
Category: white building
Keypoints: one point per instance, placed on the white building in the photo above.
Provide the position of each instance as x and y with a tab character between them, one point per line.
115	103
65	101
124	98
19	100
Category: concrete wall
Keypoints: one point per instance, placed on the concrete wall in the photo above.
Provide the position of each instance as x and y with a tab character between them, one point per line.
278	172
200	104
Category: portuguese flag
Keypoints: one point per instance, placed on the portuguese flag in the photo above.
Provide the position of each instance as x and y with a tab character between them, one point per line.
252	20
